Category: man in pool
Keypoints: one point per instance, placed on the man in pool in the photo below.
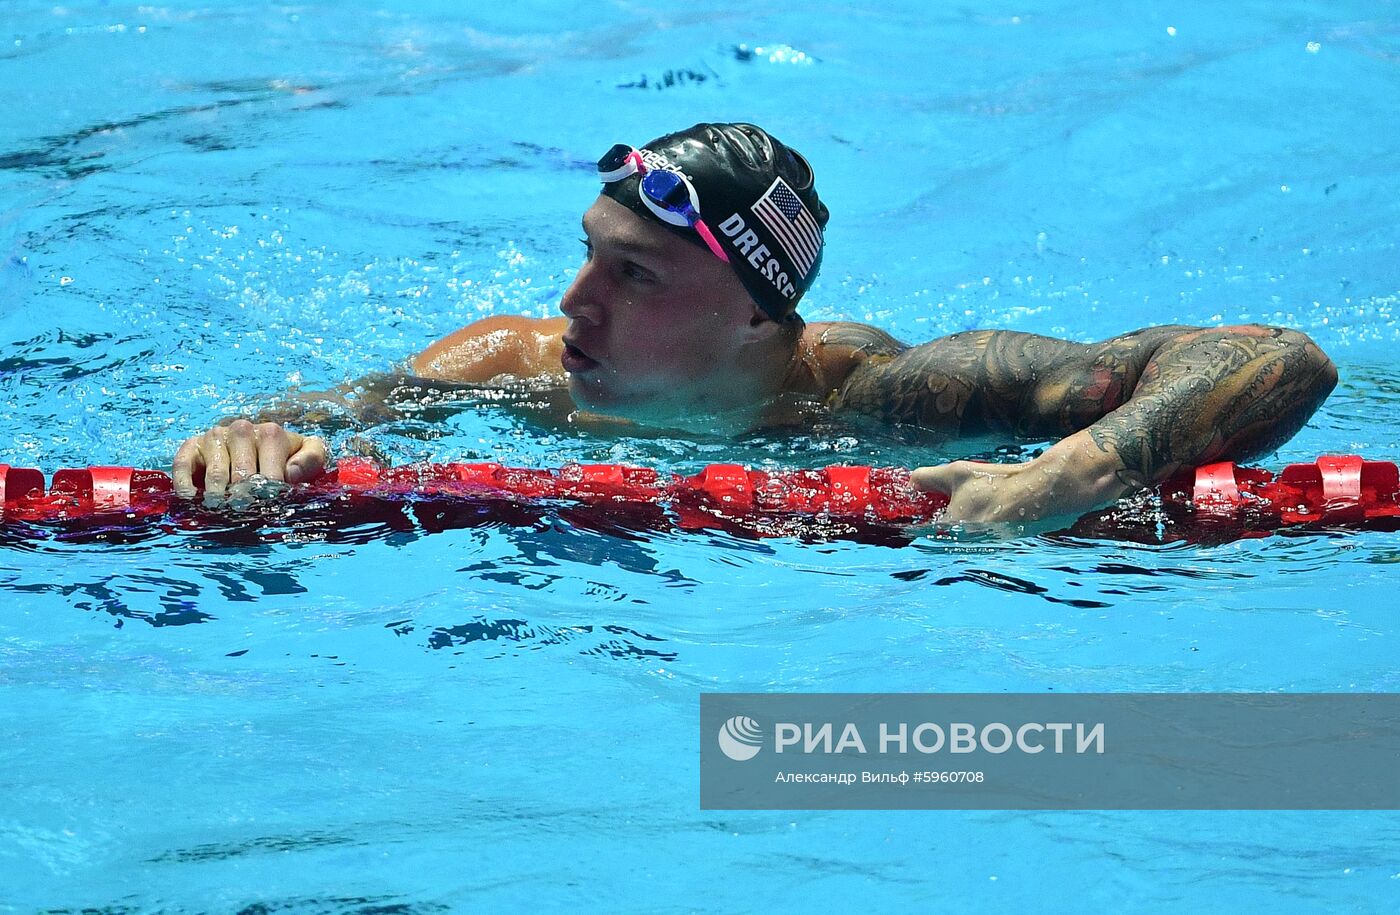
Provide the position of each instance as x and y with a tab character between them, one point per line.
699	248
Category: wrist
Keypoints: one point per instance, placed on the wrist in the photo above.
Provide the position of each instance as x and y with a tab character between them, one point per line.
1076	476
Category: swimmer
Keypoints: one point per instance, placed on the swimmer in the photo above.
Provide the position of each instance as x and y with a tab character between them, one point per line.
698	250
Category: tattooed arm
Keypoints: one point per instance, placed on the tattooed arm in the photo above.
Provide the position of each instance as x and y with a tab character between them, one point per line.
1231	393
1133	409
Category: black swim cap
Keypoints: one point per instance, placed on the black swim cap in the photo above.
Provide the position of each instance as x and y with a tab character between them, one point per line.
758	198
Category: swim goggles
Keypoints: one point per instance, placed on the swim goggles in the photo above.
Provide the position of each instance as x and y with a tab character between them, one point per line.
668	195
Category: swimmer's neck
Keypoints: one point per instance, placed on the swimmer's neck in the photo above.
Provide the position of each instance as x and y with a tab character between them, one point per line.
769	390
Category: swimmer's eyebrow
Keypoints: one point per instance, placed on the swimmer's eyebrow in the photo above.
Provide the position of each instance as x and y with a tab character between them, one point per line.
627	245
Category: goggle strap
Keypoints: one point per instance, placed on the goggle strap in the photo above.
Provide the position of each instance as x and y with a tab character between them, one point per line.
632	164
705	233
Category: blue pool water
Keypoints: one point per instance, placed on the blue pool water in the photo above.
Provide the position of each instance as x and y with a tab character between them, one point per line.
204	205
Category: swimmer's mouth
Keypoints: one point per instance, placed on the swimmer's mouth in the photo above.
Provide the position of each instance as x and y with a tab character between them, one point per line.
576	360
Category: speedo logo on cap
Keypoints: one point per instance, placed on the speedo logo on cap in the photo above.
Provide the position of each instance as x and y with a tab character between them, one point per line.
746	242
657	161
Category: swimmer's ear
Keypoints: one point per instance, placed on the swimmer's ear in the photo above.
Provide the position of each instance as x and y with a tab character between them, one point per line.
760	326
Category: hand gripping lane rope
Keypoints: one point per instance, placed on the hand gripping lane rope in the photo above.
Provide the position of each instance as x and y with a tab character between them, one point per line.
1344	491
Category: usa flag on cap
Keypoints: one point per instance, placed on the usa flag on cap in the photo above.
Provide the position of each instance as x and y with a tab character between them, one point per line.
796	231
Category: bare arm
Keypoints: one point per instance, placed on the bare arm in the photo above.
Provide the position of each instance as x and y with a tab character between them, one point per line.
503	345
1133	409
487	352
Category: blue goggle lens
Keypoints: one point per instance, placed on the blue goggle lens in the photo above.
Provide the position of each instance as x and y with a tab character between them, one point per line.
667	189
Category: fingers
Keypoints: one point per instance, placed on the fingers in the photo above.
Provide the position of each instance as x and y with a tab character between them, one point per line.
274	444
976	491
216	460
947	477
942	478
242	447
233	453
309	461
189	460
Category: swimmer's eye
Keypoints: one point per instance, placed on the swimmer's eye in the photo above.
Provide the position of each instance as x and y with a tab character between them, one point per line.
630	270
636	272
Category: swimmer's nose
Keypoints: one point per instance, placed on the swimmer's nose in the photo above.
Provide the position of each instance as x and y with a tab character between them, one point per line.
582	300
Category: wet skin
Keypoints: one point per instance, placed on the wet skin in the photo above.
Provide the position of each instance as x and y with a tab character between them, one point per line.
658	331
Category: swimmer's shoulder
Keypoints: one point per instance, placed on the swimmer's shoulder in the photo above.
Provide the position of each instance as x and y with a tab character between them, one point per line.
495	346
841	347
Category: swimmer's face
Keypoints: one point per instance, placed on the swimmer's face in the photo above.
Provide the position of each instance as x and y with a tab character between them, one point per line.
656	324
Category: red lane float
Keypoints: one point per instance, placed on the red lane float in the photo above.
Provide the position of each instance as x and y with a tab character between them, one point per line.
1333	490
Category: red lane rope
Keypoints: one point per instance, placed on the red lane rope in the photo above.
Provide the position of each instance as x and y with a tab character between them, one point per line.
1343	490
